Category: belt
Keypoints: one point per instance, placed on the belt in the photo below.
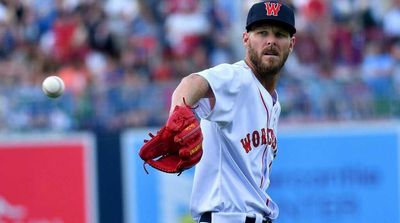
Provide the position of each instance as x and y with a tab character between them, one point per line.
206	217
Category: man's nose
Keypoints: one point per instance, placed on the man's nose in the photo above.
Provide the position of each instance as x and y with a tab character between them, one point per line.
271	41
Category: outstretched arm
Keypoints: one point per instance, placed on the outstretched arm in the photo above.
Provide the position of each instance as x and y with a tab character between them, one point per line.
177	146
192	88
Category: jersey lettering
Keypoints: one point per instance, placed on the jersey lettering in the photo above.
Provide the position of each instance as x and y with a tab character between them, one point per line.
246	143
257	138
271	138
263	136
272	8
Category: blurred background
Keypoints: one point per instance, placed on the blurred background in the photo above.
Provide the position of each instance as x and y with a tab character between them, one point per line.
122	59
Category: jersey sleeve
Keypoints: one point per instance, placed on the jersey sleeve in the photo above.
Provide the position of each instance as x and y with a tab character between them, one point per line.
226	82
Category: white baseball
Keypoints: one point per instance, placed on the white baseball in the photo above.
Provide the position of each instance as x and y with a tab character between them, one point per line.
53	86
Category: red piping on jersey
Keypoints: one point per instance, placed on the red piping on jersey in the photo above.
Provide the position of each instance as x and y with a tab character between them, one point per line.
263	155
265	106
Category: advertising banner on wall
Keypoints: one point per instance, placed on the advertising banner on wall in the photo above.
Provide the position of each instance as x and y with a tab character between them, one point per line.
47	178
330	173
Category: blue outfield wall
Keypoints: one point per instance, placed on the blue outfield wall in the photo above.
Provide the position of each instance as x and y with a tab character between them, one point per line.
328	173
338	173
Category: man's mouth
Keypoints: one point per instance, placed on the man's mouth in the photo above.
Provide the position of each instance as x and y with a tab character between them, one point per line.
271	53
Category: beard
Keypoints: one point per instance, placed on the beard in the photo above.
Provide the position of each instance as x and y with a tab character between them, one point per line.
265	69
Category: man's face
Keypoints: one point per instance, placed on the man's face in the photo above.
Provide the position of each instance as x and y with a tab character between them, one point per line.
267	48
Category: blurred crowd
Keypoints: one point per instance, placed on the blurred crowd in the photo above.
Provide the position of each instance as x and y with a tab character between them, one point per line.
121	59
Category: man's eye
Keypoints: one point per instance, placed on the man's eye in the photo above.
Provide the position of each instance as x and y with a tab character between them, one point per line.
281	34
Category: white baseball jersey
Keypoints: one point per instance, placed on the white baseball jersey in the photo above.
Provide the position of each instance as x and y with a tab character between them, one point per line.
239	146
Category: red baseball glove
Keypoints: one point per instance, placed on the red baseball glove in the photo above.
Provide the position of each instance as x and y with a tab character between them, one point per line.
177	146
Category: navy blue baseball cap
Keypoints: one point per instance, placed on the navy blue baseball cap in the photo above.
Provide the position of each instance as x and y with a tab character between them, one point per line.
271	12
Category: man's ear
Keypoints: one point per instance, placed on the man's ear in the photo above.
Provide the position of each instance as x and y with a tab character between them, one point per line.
245	38
292	43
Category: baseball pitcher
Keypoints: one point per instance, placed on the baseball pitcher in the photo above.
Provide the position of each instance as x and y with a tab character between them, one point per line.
235	142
